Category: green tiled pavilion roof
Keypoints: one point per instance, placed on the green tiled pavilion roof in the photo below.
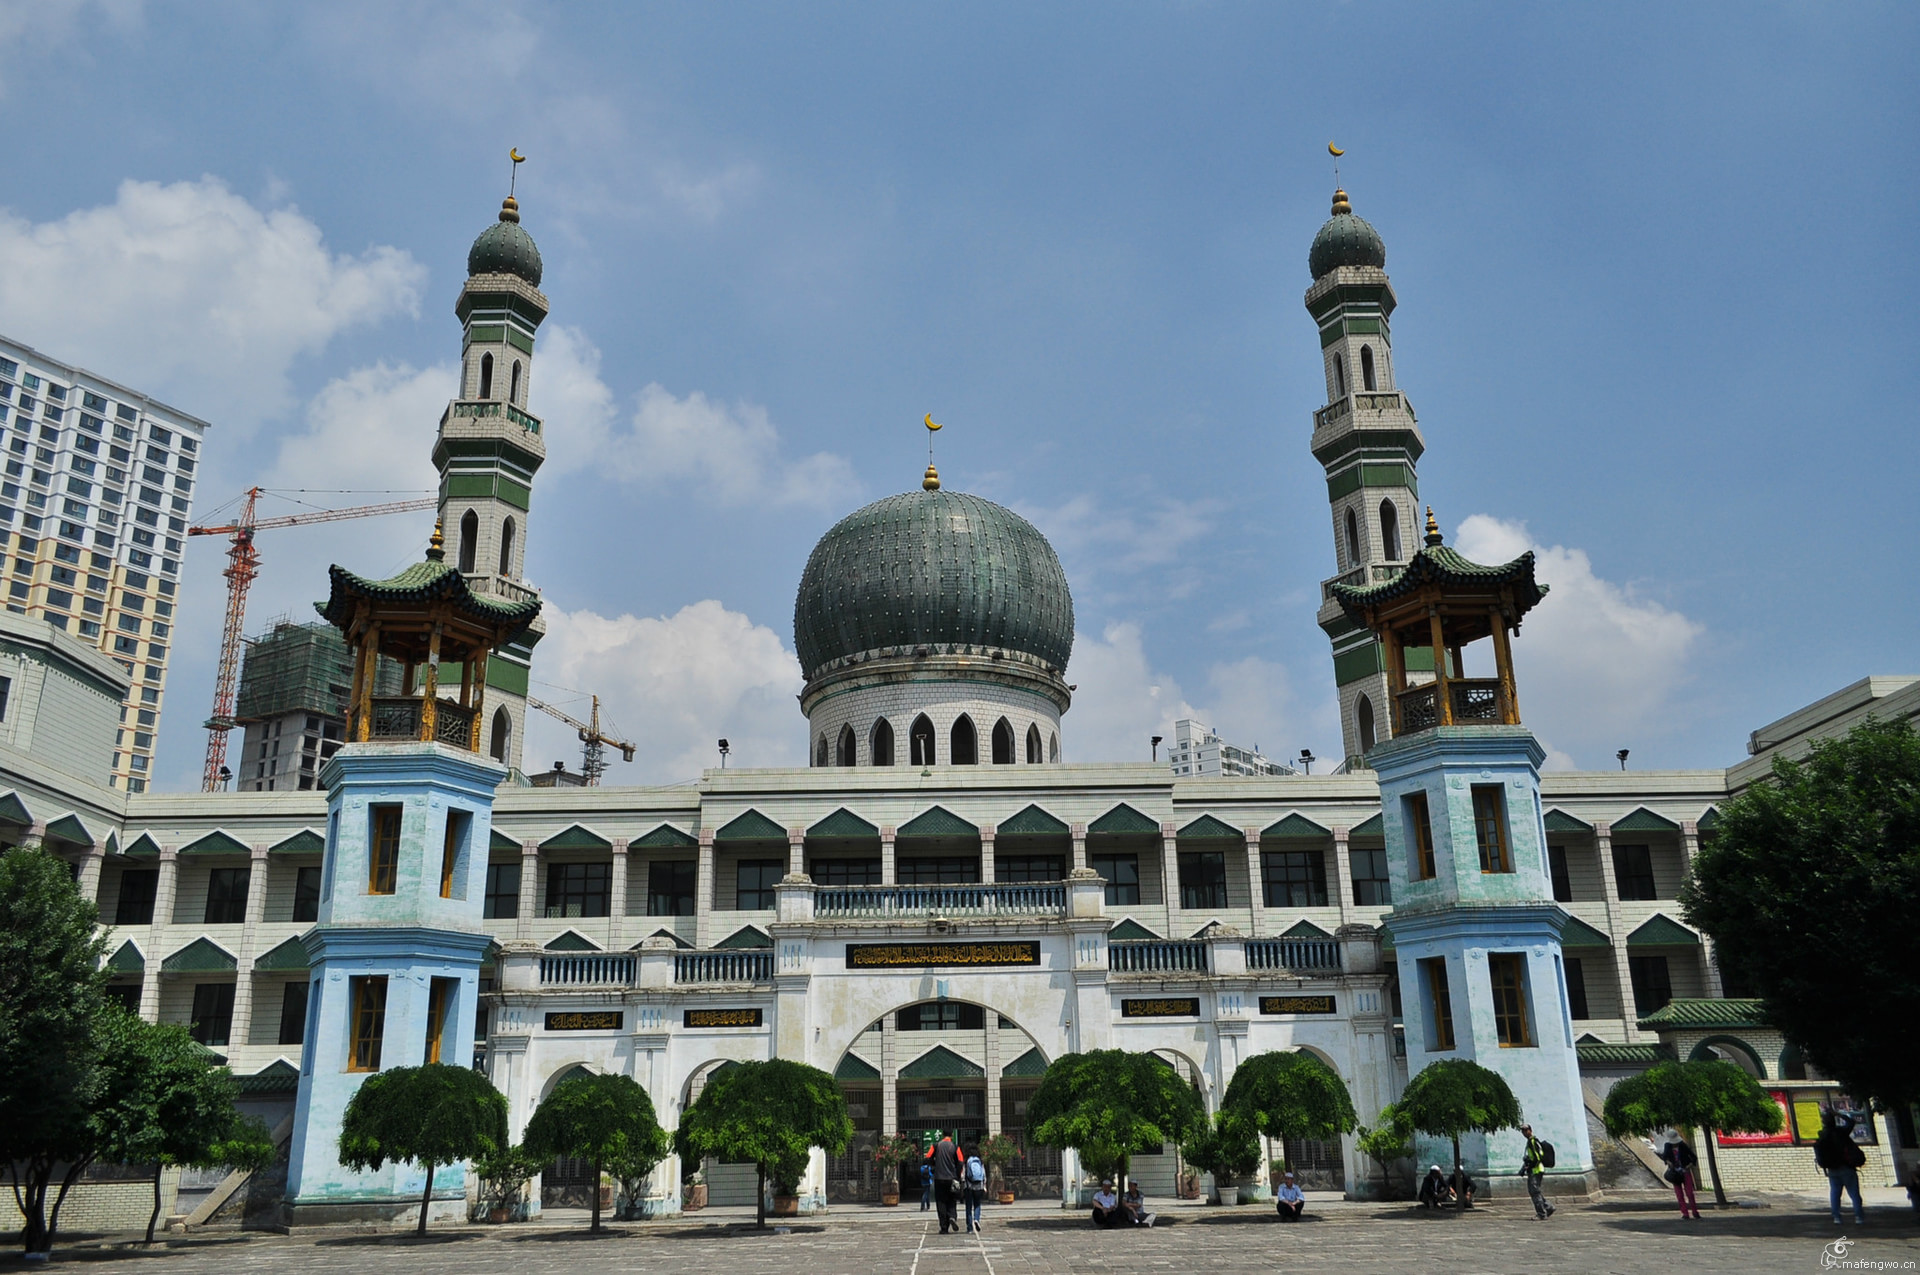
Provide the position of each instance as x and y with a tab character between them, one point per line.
854	1067
306	841
202	956
1606	1053
666	837
1441	564
750	825
1663	931
937	822
941	1063
1031	822
576	838
1297	825
1644	820
1123	818
277	1077
845	825
286	957
69	829
1704	1013
1129	930
1027	1064
1561	821
217	842
1374	826
429	581
571	941
1207	828
126	959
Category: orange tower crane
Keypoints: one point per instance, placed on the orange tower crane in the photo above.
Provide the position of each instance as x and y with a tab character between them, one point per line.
243	564
593	758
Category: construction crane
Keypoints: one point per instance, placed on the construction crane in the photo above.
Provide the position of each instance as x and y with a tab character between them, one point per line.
593	761
243	565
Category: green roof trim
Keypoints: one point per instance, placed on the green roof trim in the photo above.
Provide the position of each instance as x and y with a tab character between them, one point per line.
1122	819
14	810
746	937
1305	930
576	838
663	934
1578	935
1689	1013
142	847
202	956
1375	826
1128	931
1644	820
306	841
1605	1053
1561	821
429	581
1663	931
498	840
571	941
69	829
1386	940
1027	1064
277	1077
1709	820
1441	564
941	1063
1033	822
113	843
217	842
937	822
665	837
287	957
846	825
854	1067
1207	828
126	959
1298	825
751	826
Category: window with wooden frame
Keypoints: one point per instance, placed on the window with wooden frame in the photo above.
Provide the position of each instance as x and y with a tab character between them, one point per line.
1415	805
1490	828
450	852
1508	974
439	1000
1433	972
383	851
369	1022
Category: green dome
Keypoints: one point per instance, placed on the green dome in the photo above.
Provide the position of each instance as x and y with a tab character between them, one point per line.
934	569
1346	240
505	248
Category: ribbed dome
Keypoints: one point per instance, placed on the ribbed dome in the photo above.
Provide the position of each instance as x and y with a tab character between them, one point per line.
505	248
939	569
1346	240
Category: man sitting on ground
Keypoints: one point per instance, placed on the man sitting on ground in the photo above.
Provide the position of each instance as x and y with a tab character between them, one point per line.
1434	1191
1463	1188
1288	1199
1108	1212
1136	1205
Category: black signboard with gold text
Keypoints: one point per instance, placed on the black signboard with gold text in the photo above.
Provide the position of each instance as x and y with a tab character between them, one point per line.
720	1018
1296	1005
1161	1007
592	1020
893	956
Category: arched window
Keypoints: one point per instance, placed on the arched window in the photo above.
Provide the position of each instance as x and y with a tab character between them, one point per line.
502	735
506	547
469	540
1002	743
1366	367
1033	745
820	750
486	376
1363	710
882	743
966	745
513	390
1339	377
846	757
1390	530
1353	538
920	742
1053	749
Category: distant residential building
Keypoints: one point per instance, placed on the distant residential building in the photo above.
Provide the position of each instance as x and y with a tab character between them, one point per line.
292	701
59	697
1197	751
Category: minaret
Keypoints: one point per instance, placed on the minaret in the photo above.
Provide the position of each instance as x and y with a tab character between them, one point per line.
488	450
1368	441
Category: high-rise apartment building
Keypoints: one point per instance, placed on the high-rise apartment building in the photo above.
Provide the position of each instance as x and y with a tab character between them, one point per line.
93	519
1197	751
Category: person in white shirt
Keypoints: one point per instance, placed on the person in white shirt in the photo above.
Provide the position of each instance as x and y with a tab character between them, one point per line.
1288	1199
1107	1212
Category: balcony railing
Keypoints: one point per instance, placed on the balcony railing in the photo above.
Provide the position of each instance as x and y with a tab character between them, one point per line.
501	587
881	902
588	969
1360	575
1157	956
1370	401
1293	954
1475	702
723	967
398	717
481	408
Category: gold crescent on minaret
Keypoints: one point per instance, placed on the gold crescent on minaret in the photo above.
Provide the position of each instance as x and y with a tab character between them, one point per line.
930	422
1335	151
515	155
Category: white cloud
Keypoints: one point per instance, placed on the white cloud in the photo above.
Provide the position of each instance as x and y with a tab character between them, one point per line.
1595	662
567	392
371	430
1253	699
1122	699
1134	536
705	196
675	684
38	26
192	294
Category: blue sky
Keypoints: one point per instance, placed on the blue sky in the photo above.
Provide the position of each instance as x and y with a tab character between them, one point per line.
1654	266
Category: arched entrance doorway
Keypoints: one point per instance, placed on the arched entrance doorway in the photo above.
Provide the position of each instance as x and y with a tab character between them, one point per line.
568	1182
727	1183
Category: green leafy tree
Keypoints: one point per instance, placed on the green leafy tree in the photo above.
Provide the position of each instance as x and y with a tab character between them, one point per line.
1809	886
1227	1147
1290	1095
604	1120
633	1164
430	1115
1111	1104
504	1174
1702	1096
1390	1140
1459	1096
771	1114
51	994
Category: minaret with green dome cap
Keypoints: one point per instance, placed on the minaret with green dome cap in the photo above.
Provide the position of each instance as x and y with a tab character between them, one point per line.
488	449
1367	439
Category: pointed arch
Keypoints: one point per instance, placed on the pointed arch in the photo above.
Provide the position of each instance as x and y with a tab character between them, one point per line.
920	742
880	743
1003	743
1353	538
502	735
1390	530
469	540
820	750
1363	714
848	750
506	547
513	388
1053	748
1033	745
963	743
1339	377
1367	378
486	376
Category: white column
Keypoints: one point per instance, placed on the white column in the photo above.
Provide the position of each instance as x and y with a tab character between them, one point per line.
90	861
1079	834
617	899
703	891
1343	873
1170	871
165	888
1622	972
889	1067
1710	952
529	889
796	851
1256	883
886	856
993	1072
242	1031
986	852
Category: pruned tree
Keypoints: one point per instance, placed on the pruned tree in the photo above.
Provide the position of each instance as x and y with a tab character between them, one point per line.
1225	1147
429	1115
1389	1140
1290	1095
604	1120
1111	1104
1703	1096
1456	1096
770	1114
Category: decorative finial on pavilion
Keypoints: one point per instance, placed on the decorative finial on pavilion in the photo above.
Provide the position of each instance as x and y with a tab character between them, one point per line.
1433	529
932	479
437	547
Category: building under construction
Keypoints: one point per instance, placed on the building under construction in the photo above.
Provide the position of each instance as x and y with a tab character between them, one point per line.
292	702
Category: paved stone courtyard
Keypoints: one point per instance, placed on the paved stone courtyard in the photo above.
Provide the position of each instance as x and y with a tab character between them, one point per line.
1639	1236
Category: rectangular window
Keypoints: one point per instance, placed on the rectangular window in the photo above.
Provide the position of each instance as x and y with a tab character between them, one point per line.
1294	878
456	840
369	1021
1016	869
941	1016
953	871
845	871
1372	888
212	1013
293	1014
579	889
227	896
1415	805
503	892
1652	988
306	894
1121	872
383	855
137	889
1203	879
1557	869
1576	989
125	995
670	887
1433	972
754	880
1490	828
439	1001
1509	978
1633	872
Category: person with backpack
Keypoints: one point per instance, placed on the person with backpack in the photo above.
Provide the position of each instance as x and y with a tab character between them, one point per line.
975	1182
944	1157
1836	1152
926	1184
1680	1161
1534	1163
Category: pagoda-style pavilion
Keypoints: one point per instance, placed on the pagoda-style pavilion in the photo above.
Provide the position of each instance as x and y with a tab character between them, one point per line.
1443	601
427	619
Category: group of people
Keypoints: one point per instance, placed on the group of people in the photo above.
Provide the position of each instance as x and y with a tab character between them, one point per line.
1111	1211
950	1177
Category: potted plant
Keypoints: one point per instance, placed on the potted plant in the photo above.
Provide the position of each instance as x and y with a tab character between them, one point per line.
892	1151
1227	1150
784	1175
998	1151
503	1176
695	1194
1187	1184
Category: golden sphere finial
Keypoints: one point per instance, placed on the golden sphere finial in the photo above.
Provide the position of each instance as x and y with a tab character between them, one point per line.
437	547
1340	204
932	481
1433	528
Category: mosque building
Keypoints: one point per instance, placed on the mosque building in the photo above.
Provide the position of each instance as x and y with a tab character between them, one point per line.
943	901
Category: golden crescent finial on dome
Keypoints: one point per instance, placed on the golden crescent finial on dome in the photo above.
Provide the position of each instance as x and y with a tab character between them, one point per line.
931	480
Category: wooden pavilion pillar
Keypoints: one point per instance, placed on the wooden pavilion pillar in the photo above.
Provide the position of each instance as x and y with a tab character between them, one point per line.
1503	664
430	704
1396	676
1443	696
